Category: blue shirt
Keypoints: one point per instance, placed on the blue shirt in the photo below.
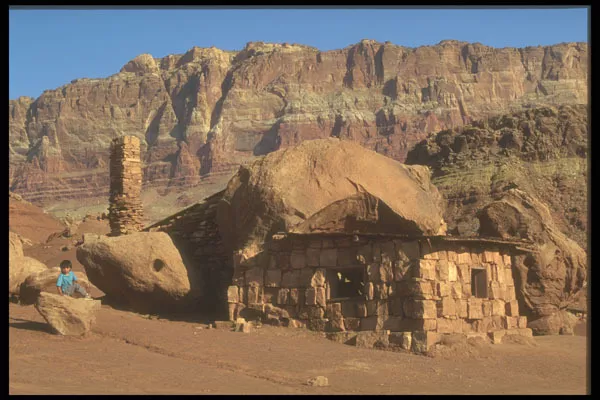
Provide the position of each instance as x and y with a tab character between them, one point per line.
64	281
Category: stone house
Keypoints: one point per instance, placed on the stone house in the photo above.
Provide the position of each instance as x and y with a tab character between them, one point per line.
409	289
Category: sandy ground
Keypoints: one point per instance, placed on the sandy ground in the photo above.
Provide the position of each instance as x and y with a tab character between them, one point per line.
132	354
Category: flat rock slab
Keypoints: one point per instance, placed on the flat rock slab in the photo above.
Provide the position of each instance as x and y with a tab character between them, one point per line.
67	315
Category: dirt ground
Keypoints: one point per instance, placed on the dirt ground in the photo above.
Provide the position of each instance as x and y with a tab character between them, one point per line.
134	354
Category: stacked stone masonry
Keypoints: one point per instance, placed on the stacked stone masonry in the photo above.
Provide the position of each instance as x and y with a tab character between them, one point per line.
125	212
416	287
195	233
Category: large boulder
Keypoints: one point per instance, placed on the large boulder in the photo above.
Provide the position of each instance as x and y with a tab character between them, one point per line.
303	187
143	271
15	246
560	322
19	268
43	281
553	277
67	315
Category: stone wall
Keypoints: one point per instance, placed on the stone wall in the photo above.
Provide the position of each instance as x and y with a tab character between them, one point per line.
125	210
195	233
420	285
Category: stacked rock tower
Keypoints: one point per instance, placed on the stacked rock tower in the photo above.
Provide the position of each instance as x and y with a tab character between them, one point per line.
125	210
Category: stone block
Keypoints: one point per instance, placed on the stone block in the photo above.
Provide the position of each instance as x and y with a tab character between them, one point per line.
452	272
310	296
474	308
298	259
401	270
315	244
382	308
506	260
526	332
463	257
498	308
508	277
425	269
376	253
391	289
361	310
319	325
328	258
282	296
272	278
462	308
499	273
233	294
401	339
312	312
369	340
456	290
512	308
393	324
443	289
448	307
423	341
352	324
318	278
522	322
347	256
388	249
291	279
416	289
373	272
313	257
511	322
349	308
380	291
369	291
396	307
447	325
232	307
495	291
371	308
294	296
320	297
476	257
441	270
254	294
342	337
487	308
509	293
335	325
386	272
270	295
254	276
368	323
364	254
496	336
464	272
305	277
420	309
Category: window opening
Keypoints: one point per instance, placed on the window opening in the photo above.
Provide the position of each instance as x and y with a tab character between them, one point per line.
479	282
346	282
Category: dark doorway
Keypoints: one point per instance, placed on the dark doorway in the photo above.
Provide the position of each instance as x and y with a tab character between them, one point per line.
479	282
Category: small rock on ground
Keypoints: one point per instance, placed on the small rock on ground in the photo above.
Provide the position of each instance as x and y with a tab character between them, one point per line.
318	381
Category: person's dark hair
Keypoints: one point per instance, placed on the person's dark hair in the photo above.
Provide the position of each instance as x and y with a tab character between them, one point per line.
66	264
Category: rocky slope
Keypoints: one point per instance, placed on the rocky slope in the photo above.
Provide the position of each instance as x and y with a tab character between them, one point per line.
209	110
541	151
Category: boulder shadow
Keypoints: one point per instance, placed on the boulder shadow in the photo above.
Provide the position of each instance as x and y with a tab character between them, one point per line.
30	325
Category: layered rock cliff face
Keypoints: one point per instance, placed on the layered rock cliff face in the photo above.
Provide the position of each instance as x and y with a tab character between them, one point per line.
210	110
541	151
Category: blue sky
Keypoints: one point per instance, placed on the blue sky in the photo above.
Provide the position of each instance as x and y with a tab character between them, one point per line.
50	47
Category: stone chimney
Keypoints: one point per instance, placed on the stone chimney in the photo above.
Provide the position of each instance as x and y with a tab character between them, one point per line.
125	207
